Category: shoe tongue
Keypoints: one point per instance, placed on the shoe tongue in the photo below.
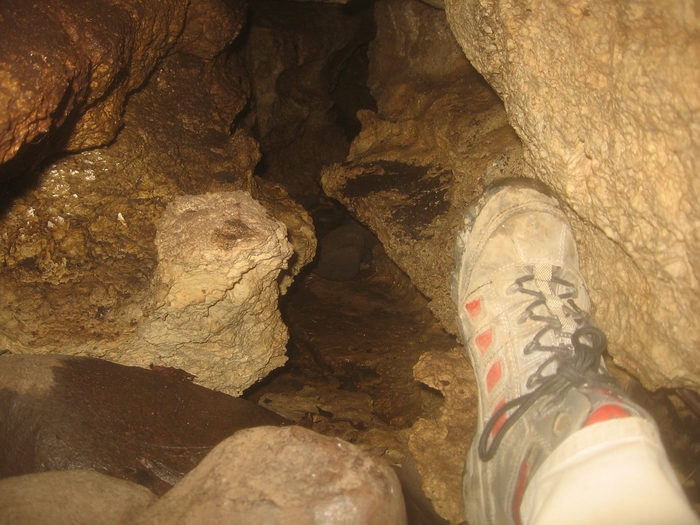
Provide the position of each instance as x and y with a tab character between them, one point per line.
543	281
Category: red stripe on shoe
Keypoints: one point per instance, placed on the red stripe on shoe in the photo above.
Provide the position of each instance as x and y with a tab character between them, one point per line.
483	340
493	376
605	413
501	420
523	476
473	308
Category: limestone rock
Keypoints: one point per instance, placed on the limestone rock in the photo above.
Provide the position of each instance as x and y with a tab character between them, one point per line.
215	313
440	134
606	98
78	249
72	497
442	467
283	476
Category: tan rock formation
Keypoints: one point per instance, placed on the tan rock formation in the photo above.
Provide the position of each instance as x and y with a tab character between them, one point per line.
300	227
440	134
606	98
442	467
215	305
77	247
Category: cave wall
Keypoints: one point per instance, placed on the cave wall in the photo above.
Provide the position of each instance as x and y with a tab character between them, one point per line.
68	68
605	97
305	91
438	136
604	102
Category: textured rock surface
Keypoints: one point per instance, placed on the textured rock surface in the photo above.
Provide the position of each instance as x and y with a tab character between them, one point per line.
352	349
440	134
68	67
606	99
442	467
283	476
300	227
77	245
211	308
77	248
215	305
73	497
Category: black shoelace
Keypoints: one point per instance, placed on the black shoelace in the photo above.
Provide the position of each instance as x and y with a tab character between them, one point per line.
577	363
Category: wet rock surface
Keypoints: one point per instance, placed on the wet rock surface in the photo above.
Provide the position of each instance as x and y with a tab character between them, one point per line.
68	68
353	372
147	426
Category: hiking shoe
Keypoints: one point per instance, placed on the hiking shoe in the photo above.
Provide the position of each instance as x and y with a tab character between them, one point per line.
524	315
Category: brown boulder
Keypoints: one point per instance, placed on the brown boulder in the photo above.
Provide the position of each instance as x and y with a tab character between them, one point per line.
146	426
72	497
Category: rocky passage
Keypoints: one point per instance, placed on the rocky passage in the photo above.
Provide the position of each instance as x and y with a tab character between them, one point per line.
167	169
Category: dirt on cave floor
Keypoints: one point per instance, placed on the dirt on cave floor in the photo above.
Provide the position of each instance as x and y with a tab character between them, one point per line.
352	349
353	345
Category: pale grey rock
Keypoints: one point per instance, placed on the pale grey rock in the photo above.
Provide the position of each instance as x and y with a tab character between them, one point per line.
215	291
276	476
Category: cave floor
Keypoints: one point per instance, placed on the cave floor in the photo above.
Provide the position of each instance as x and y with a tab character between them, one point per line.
353	345
352	349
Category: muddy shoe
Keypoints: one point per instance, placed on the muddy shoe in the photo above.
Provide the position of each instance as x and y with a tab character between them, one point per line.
524	314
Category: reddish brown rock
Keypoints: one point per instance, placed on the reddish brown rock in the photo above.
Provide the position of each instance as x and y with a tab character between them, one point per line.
68	67
146	426
210	26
